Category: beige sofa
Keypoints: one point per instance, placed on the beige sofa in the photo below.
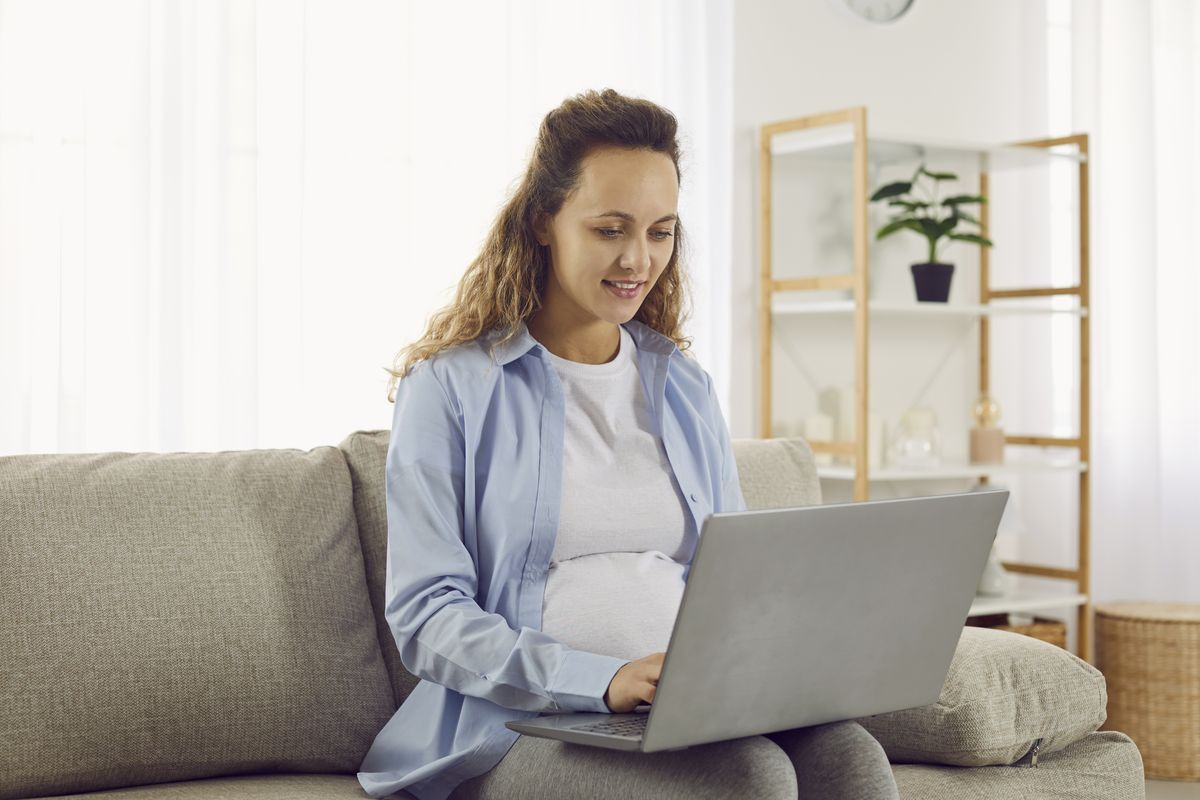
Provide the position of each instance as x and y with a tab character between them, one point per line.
209	625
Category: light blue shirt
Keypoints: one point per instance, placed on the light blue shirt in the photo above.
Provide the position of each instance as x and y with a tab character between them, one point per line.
474	480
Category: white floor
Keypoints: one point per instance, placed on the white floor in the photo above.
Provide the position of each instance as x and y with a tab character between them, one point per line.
1172	790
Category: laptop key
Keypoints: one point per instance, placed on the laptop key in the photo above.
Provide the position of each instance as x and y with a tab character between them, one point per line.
623	727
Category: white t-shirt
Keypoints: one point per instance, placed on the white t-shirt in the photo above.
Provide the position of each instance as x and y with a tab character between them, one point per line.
616	574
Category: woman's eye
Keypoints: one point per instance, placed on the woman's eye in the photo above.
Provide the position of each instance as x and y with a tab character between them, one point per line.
612	233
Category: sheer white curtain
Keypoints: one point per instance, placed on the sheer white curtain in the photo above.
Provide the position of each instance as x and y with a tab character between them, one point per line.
220	220
1137	90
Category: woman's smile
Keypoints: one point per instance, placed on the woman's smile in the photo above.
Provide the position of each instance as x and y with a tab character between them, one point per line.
626	290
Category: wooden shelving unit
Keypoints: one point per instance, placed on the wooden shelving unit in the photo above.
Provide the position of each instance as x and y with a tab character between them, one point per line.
842	136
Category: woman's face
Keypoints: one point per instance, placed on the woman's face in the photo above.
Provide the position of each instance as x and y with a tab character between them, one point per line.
616	229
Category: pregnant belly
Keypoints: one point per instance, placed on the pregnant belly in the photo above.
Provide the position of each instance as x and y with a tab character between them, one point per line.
617	604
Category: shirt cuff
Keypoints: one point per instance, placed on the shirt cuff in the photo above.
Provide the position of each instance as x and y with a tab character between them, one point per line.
582	679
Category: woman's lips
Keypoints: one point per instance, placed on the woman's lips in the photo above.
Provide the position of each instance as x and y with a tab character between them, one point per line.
625	294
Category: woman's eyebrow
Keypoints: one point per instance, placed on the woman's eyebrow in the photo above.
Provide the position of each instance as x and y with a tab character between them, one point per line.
629	217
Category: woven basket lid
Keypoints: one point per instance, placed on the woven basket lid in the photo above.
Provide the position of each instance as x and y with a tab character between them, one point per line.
1152	611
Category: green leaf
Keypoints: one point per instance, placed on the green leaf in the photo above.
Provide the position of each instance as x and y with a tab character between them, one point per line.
965	216
970	237
940	176
931	228
911	205
898	225
891	190
964	198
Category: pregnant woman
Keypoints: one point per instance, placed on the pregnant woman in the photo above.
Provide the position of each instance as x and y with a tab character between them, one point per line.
554	451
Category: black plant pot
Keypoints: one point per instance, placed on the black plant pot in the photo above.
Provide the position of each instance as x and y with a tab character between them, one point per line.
932	280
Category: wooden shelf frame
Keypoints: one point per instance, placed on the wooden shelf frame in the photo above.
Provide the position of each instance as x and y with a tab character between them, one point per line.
1081	573
856	282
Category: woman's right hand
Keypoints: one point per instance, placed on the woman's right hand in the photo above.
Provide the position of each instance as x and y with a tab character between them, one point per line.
634	684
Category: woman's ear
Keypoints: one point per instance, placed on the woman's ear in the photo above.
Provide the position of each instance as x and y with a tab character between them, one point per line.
540	228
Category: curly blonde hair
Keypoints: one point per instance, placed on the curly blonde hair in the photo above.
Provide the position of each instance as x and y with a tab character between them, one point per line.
503	286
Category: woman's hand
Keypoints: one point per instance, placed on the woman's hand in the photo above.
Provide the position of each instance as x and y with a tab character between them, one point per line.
634	684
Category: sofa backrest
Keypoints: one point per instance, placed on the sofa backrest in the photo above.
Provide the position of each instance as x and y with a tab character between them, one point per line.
365	453
773	473
183	615
776	473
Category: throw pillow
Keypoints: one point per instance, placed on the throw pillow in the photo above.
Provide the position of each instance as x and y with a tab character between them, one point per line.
1004	692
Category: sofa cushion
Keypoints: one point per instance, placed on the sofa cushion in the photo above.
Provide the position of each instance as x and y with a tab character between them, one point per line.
246	787
366	453
182	615
776	473
1104	764
1004	691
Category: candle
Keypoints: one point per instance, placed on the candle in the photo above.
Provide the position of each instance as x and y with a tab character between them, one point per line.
819	428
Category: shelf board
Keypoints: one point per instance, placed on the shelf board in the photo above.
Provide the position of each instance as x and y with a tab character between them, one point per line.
836	143
951	469
915	309
1018	602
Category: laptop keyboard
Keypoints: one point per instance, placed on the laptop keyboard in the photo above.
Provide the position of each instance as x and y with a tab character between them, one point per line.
634	726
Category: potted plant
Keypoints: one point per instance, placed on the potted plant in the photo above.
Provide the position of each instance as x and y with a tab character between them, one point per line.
934	219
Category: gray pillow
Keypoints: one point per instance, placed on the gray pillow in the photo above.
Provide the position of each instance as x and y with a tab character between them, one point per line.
1004	691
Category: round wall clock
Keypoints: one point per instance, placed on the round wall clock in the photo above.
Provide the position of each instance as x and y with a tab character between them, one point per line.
876	10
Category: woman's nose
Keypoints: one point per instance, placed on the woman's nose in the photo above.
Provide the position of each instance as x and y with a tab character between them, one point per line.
636	257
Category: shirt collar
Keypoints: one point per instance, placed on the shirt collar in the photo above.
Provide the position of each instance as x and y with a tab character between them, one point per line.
645	337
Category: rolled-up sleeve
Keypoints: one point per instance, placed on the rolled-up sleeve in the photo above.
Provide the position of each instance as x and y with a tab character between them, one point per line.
442	633
731	486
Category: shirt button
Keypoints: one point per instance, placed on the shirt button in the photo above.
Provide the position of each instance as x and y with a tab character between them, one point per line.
693	496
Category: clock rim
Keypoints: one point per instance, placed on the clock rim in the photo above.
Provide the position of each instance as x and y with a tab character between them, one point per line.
845	4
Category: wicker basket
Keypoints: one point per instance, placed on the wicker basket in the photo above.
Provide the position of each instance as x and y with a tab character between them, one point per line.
1150	656
1048	630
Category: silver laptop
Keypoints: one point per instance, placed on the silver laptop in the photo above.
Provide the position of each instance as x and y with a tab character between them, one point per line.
800	616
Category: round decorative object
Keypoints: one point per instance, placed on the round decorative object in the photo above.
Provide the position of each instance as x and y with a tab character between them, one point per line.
1150	656
917	442
877	10
987	411
986	439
